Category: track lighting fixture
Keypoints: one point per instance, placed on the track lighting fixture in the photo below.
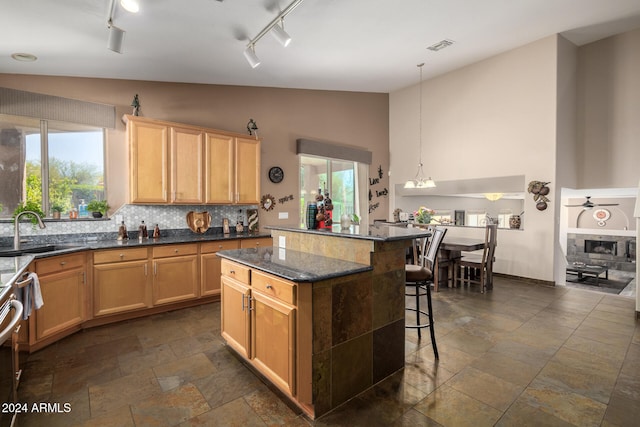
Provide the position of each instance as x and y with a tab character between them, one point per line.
252	58
132	6
276	27
116	35
281	35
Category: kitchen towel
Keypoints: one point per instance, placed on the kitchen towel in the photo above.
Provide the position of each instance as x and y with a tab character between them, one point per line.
30	295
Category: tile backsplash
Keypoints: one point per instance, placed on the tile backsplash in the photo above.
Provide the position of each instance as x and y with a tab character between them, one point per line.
171	217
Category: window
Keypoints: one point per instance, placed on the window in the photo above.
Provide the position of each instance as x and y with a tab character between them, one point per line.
52	164
339	178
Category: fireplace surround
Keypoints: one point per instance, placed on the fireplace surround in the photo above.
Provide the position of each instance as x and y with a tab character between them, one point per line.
613	252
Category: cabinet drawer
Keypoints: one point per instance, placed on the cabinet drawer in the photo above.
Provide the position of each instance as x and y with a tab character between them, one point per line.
281	289
237	271
59	263
220	245
259	242
175	250
119	255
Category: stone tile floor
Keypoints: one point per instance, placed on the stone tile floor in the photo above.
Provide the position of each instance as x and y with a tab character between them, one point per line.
518	355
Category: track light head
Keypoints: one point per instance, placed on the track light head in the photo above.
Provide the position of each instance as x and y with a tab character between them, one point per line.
132	6
251	56
116	36
281	35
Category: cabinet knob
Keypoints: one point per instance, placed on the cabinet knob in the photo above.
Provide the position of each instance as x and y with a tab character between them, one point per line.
269	287
219	246
121	255
63	263
176	251
232	272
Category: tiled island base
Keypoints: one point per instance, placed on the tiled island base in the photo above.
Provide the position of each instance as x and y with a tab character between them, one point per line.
356	321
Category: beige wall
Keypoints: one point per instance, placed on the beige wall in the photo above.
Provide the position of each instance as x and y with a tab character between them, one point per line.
609	112
549	110
494	118
282	115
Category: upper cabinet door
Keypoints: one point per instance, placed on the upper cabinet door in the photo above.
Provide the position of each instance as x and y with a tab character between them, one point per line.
219	168
149	150
186	165
247	171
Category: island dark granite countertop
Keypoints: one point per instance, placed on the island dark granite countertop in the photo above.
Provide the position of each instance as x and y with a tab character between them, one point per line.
377	232
293	265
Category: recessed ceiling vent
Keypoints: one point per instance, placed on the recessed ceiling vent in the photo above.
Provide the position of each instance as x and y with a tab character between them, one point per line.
440	45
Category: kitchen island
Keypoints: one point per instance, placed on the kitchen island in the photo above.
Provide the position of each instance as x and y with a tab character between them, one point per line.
320	314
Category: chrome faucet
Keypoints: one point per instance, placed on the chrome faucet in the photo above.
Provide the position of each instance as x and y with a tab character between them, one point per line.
16	224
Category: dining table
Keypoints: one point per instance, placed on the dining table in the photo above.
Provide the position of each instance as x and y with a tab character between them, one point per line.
450	252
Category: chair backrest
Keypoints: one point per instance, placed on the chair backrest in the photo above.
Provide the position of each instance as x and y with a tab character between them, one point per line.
490	242
419	247
434	245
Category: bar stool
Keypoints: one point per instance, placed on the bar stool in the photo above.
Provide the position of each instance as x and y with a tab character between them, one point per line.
419	277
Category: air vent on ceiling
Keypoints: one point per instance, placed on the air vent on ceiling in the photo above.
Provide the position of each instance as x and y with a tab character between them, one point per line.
440	45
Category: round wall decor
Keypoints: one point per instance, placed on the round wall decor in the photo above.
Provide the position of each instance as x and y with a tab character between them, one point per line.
601	216
267	202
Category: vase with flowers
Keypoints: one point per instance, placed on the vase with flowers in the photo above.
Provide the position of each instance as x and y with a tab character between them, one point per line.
423	215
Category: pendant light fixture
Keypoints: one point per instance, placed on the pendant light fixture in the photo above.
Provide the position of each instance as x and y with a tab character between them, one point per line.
420	181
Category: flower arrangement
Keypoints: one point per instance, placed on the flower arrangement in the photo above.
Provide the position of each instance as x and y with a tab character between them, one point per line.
423	215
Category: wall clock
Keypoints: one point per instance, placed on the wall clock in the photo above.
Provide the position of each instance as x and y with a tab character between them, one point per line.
276	174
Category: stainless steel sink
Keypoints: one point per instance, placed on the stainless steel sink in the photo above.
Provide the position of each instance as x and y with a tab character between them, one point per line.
29	250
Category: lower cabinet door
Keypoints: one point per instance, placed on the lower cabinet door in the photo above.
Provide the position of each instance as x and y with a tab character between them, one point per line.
63	297
273	340
234	310
120	287
210	274
175	279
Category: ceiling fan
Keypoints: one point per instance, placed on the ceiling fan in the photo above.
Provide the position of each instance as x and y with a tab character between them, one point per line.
588	204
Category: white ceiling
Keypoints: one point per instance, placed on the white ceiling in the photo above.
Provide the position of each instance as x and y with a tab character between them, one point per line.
347	45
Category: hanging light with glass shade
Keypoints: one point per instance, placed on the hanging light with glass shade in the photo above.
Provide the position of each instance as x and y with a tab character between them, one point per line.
420	181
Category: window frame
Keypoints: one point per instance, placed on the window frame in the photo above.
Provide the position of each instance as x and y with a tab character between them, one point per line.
43	129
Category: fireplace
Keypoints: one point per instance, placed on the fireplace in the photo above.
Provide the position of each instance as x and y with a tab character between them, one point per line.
613	252
600	247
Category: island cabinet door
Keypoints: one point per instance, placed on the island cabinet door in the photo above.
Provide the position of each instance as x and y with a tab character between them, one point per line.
273	340
235	315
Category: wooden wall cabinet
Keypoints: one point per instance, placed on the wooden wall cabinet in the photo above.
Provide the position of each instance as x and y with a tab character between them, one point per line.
120	281
183	164
258	321
247	171
186	165
62	284
175	273
148	161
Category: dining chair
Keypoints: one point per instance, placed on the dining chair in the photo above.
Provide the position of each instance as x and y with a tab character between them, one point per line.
419	278
479	269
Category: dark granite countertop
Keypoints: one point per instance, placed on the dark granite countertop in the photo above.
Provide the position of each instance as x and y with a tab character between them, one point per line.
293	265
378	232
11	267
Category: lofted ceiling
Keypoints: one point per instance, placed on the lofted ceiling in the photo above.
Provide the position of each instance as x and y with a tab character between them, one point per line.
346	45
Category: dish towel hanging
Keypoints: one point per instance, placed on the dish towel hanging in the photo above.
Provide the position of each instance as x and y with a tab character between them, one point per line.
30	295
